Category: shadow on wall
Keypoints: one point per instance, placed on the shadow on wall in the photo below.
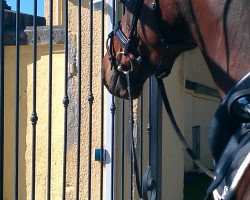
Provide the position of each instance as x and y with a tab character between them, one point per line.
10	123
25	126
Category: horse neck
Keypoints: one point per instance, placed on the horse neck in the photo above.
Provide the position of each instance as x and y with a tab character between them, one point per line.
222	33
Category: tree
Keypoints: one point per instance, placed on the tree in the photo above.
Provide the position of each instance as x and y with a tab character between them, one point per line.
6	5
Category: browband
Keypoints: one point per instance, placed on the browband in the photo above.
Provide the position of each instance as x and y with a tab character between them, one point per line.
130	44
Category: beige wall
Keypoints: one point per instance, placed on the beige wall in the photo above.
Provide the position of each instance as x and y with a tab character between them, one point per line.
172	151
196	68
73	81
96	119
58	112
25	128
57	11
199	108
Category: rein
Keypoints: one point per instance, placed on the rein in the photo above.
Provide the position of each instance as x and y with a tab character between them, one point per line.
148	183
177	129
131	121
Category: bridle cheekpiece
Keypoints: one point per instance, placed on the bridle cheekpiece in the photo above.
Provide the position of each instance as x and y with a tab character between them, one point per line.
130	43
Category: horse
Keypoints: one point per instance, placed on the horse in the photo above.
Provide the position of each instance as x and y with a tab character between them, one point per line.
147	41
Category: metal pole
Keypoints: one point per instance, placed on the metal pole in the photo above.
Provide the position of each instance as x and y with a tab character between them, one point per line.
110	120
65	100
34	114
102	101
90	99
50	99
1	96
78	160
17	99
155	136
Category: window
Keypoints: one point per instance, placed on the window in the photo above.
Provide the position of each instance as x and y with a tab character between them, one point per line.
196	143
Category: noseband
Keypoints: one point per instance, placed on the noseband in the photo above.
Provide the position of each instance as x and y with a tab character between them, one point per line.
130	47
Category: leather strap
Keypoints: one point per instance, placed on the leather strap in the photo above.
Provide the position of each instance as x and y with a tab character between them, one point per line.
130	45
149	184
177	129
136	169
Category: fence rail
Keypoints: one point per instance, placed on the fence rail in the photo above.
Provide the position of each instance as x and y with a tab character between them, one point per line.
55	140
1	97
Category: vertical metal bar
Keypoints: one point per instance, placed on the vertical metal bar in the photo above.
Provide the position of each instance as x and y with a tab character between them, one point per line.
122	149
156	135
78	160
102	101
90	97
1	97
123	9
66	98
110	113
34	114
131	155
17	98
113	14
50	99
141	137
113	108
149	119
196	143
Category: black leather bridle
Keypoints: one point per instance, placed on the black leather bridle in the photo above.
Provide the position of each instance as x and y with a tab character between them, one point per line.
130	45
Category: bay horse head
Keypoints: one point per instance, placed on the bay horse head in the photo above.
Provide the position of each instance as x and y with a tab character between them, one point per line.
144	42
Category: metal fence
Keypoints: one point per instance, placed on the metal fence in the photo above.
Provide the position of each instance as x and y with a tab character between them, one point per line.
114	152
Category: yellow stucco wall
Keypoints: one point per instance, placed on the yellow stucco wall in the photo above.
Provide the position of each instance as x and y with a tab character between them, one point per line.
196	68
199	108
96	119
57	11
172	150
25	128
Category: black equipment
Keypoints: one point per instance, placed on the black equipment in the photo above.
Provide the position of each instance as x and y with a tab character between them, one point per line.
239	105
230	140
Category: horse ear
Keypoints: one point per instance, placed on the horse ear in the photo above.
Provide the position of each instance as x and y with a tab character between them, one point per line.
239	106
